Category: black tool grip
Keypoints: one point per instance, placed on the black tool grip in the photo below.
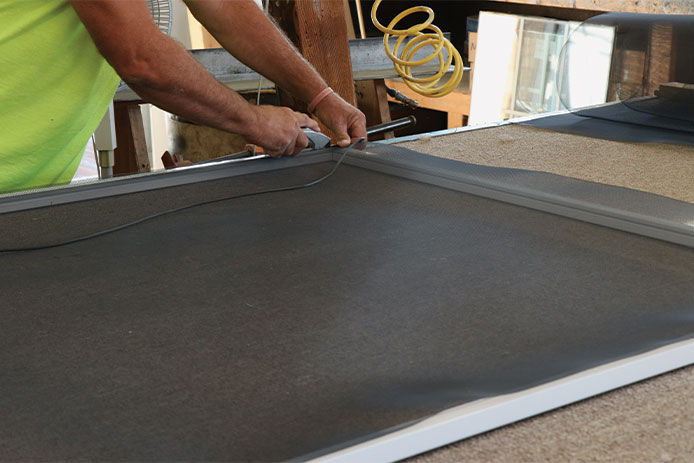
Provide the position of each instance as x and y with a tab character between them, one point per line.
392	125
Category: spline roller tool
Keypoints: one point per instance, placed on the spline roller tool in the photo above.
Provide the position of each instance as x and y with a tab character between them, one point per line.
318	140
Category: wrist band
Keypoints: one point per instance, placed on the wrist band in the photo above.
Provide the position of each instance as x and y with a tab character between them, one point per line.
320	97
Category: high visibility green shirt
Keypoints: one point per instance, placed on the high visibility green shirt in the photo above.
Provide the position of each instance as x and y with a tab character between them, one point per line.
54	89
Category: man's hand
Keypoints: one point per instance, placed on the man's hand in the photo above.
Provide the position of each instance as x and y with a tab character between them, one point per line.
278	130
346	122
244	30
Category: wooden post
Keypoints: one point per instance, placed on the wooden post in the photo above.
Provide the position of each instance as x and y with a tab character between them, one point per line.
372	100
317	28
131	154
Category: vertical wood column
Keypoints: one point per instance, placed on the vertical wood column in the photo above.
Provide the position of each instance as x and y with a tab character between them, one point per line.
131	154
317	28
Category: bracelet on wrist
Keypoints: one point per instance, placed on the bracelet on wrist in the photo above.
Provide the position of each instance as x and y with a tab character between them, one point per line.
323	94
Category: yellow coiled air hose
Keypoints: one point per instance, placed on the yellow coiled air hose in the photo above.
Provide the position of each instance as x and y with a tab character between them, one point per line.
430	86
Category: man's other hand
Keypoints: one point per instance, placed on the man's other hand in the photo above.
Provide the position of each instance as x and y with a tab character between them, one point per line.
278	130
344	120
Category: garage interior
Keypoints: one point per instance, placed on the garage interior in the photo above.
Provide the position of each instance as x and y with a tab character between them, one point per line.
525	236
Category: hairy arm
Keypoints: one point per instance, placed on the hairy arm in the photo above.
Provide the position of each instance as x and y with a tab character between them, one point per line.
243	29
163	73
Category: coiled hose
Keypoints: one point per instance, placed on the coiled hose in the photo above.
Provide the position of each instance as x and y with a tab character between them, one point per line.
430	86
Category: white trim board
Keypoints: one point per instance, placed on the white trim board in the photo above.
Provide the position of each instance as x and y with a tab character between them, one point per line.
483	415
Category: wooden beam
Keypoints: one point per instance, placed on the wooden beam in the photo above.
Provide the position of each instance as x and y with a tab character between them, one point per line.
318	29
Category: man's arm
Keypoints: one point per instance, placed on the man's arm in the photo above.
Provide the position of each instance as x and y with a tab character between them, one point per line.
163	73
243	29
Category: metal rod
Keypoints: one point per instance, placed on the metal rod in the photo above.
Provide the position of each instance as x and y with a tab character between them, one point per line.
360	17
373	130
392	125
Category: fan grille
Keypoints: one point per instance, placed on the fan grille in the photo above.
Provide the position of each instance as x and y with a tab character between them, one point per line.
161	13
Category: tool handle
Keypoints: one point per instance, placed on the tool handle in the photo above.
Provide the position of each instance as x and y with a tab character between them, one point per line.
316	140
392	125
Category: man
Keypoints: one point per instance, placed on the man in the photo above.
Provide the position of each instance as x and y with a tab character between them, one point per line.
60	62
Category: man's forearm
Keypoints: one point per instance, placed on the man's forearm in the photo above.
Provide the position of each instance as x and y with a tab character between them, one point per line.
190	91
158	68
244	30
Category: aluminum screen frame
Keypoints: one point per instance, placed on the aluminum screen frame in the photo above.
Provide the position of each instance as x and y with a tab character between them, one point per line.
648	214
484	415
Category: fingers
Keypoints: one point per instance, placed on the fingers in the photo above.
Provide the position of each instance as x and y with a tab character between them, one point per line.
296	144
305	121
358	127
299	140
300	143
355	130
283	136
343	139
347	123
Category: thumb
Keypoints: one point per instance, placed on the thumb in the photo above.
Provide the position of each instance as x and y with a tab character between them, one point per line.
342	138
